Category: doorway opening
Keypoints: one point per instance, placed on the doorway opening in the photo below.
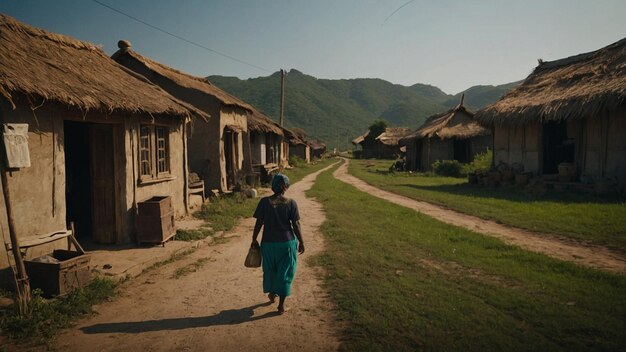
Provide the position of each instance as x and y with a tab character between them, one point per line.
557	147
231	154
462	150
90	181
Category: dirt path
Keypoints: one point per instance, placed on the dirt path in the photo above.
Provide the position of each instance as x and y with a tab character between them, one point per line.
551	245
220	307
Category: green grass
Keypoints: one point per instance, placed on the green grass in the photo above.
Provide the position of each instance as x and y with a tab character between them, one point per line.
191	268
403	281
601	220
298	172
48	316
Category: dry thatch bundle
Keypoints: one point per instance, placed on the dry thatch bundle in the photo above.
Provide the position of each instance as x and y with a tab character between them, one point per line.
131	58
296	136
259	122
316	144
40	65
392	135
588	84
457	122
360	139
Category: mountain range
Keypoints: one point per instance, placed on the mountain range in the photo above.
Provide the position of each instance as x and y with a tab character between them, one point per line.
336	111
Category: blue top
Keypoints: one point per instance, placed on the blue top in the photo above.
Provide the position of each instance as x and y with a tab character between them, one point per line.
277	218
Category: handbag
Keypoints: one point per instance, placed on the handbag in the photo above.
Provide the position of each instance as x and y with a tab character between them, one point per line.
253	259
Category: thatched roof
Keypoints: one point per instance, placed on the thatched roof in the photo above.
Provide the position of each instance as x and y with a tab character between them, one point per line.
296	136
41	65
588	84
358	140
392	135
259	122
128	57
316	144
457	122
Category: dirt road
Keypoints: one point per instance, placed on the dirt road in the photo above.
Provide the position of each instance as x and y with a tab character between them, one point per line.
220	307
551	245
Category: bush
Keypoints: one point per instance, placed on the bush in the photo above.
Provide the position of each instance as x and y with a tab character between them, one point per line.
480	164
450	168
296	160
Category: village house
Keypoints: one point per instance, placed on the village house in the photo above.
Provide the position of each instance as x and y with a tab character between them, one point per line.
87	140
451	135
384	146
298	144
568	113
266	145
318	148
216	147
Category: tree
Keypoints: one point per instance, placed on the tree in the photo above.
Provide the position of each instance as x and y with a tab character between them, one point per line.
376	128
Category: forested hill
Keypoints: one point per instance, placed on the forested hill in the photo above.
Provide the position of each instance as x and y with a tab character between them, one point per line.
336	111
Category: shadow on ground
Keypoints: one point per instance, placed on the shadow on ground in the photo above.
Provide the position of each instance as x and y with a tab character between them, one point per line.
225	317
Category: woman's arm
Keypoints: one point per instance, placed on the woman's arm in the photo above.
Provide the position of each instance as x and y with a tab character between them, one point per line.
298	231
255	233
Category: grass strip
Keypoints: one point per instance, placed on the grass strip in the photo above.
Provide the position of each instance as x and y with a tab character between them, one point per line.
584	217
299	171
191	268
403	281
48	316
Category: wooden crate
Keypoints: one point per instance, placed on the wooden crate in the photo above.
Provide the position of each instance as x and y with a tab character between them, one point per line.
71	272
155	221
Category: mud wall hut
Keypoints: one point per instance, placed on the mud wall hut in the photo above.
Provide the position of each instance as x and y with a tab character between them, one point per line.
451	135
384	146
99	139
216	147
298	144
571	110
318	148
265	139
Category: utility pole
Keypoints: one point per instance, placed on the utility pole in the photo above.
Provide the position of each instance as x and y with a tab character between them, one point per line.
283	73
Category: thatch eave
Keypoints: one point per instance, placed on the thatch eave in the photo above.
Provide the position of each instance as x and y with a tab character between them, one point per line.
585	85
48	67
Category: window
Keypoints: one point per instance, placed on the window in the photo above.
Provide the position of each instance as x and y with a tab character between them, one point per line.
154	152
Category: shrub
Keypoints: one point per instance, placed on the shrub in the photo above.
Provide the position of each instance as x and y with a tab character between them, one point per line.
295	160
447	168
480	164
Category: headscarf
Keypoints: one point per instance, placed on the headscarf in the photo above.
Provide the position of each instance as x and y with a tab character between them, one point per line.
277	181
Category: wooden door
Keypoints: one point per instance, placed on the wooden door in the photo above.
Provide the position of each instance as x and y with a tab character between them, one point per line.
102	183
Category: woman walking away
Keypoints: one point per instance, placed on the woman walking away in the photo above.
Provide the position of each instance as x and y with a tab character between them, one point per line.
282	238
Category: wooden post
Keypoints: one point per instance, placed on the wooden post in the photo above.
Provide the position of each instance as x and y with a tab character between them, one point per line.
23	285
282	95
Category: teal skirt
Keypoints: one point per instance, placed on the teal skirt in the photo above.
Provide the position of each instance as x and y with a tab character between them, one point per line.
279	266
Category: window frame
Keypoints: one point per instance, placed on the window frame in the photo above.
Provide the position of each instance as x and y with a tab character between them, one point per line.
158	168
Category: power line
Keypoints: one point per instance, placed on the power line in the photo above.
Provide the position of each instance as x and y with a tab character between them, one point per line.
181	38
398	9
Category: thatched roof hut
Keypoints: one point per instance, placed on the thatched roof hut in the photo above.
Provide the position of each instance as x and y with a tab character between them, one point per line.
457	122
99	137
589	84
298	143
451	135
385	145
569	114
44	66
216	148
267	146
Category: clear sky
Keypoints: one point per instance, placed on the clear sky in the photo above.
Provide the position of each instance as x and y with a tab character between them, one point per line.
447	43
